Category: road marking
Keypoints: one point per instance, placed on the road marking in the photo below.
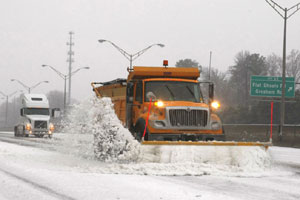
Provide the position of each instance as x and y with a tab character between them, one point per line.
38	186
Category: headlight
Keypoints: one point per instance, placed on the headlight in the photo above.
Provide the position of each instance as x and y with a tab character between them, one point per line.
159	103
159	124
28	127
215	104
215	125
51	127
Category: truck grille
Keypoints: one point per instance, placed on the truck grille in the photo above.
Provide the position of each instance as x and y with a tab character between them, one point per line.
188	117
40	124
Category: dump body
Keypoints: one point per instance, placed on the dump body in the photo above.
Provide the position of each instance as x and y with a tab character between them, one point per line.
116	90
178	108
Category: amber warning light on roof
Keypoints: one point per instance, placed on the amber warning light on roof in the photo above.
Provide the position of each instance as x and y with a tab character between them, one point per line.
165	63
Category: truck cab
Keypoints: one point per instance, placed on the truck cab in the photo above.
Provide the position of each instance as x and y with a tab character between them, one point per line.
34	117
179	110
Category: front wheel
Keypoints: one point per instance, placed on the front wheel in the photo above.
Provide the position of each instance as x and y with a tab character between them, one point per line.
139	131
19	131
16	131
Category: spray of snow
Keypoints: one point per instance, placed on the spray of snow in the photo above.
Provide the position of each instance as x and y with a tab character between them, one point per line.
111	141
96	132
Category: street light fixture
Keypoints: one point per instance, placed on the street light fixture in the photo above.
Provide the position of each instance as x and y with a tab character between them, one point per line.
7	97
65	77
130	57
27	87
285	16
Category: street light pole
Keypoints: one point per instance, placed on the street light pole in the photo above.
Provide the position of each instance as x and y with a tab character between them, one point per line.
130	57
6	109
209	68
27	87
34	86
276	7
65	77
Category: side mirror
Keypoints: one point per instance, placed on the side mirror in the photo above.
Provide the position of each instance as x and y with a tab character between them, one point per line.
211	91
151	95
22	112
130	99
55	113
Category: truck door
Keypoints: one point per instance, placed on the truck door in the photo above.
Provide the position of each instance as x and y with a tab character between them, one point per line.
138	100
129	102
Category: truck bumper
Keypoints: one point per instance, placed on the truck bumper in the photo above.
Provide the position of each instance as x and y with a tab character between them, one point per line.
186	137
38	132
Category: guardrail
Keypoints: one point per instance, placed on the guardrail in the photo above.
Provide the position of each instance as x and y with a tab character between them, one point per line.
261	132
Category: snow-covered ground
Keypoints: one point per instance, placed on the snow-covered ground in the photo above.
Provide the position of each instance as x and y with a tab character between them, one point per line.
34	173
67	167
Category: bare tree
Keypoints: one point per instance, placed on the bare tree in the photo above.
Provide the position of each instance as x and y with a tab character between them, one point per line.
274	64
56	99
187	63
293	65
246	64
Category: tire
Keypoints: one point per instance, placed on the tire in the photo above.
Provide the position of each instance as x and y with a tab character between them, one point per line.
19	132
23	132
15	131
139	131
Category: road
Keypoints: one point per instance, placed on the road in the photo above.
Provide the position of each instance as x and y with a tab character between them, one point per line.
60	168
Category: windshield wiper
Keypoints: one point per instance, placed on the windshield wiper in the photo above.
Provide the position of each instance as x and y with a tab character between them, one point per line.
172	94
190	90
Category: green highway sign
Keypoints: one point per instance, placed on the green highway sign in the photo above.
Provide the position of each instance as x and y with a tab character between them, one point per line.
270	86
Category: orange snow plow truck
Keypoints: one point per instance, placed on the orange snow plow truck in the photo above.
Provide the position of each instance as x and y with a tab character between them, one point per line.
166	105
178	110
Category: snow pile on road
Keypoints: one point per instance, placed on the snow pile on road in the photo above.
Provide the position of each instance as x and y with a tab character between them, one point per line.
111	142
77	126
246	157
202	160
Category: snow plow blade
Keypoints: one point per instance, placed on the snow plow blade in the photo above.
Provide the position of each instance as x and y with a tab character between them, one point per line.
208	143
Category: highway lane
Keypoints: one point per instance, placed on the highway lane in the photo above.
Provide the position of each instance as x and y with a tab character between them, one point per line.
49	173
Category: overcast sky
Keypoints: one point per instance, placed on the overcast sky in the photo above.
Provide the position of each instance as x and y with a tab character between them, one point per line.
35	32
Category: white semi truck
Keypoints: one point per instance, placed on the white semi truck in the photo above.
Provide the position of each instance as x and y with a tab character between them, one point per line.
35	117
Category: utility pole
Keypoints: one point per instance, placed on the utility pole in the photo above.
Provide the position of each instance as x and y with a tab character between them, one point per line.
285	16
70	61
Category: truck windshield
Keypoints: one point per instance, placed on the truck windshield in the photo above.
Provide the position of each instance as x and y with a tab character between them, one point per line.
174	91
36	111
